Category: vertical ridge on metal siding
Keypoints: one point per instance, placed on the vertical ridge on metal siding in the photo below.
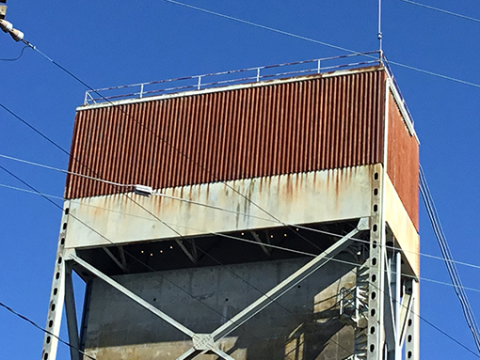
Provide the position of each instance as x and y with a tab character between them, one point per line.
283	128
403	161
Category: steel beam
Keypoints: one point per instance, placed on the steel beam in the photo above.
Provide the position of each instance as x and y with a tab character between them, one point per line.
193	256
257	238
392	305
222	354
412	325
71	313
375	329
268	298
115	260
287	284
57	296
190	354
406	309
131	295
398	292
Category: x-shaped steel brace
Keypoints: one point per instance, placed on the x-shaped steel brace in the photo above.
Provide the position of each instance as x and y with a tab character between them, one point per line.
203	343
268	298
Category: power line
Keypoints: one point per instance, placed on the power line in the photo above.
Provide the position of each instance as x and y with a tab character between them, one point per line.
18	57
171	145
128	253
179	242
174	229
26	123
446	77
281	248
429	322
355	264
451	268
23	317
274	301
262	26
223	209
156	217
85	84
111	242
439	10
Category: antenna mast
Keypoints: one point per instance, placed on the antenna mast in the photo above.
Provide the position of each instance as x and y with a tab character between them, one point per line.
379	36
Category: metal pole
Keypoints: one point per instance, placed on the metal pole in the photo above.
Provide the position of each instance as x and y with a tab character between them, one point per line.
397	304
380	45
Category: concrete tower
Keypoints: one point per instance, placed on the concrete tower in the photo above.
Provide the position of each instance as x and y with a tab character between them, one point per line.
268	213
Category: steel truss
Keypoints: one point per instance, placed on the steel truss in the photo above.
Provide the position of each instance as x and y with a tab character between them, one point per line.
384	318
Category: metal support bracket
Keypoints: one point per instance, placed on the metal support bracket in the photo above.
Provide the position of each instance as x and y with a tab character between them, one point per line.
193	255
71	313
121	265
257	238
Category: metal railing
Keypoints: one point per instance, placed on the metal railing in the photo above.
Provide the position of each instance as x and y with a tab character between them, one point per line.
233	77
244	76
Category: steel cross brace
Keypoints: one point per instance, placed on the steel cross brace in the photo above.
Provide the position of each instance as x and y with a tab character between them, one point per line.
131	295
277	291
392	287
203	343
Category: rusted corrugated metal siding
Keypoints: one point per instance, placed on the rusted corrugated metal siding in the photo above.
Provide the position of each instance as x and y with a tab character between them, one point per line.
290	127
403	160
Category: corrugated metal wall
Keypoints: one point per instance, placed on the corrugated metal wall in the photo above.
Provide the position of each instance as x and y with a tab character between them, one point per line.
315	124
403	160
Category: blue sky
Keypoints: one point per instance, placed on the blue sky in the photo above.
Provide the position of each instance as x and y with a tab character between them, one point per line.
108	43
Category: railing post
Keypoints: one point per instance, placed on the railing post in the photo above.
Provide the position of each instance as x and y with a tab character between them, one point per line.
199	82
141	90
318	66
258	74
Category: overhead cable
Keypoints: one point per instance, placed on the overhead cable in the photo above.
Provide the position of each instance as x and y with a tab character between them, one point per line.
444	333
23	317
247	22
451	268
131	255
18	57
428	322
439	10
126	252
333	259
446	77
281	248
217	208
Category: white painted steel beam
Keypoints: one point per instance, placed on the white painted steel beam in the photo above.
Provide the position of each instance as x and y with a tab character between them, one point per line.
406	308
190	354
257	238
392	306
71	313
412	326
115	260
57	296
131	295
222	354
288	283
375	330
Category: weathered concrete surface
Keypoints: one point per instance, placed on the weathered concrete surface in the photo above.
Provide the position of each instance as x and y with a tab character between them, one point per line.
302	324
402	227
314	197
